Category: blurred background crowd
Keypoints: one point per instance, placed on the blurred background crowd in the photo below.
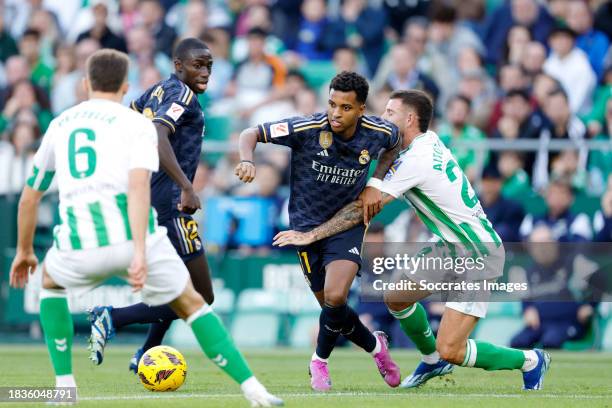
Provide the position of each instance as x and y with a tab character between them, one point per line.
522	89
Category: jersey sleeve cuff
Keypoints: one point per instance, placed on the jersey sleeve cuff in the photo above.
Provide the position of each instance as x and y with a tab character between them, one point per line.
165	122
385	189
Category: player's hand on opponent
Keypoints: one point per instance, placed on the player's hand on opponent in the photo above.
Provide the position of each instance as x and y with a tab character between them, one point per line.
137	272
371	201
23	265
292	237
190	202
245	170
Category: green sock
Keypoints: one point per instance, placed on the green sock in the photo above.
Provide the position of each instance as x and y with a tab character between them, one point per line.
414	323
218	345
57	326
491	357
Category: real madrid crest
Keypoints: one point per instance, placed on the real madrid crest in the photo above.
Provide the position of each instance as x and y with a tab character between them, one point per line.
364	157
148	113
325	139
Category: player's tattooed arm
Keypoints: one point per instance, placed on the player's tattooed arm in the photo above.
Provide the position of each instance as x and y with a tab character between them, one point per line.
371	197
245	170
349	216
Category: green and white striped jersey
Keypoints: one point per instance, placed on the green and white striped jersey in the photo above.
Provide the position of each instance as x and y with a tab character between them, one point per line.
91	148
429	178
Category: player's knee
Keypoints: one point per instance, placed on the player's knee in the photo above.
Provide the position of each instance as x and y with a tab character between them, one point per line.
335	297
187	303
394	305
452	352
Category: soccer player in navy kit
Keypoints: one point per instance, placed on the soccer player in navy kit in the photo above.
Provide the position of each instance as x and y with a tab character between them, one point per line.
173	107
330	159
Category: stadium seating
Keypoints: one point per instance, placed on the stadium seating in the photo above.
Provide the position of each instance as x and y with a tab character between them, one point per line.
258	317
498	329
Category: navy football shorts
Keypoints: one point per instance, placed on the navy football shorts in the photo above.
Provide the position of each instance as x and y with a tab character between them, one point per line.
184	236
316	256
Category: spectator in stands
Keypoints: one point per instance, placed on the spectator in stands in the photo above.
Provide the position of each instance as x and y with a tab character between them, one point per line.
447	38
194	21
600	161
405	75
570	66
16	156
505	214
23	96
258	75
551	318
142	53
478	87
533	59
603	18
602	221
101	32
310	42
361	27
516	42
255	16
456	129
510	77
597	117
345	59
515	12
46	24
29	47
593	42
8	46
218	40
518	120
565	224
516	183
152	16
69	72
564	126
128	14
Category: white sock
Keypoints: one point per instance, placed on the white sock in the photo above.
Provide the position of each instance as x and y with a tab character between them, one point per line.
66	380
531	360
251	385
377	348
432	358
315	357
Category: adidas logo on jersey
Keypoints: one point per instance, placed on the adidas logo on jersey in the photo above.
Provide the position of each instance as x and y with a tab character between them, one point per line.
323	153
354	250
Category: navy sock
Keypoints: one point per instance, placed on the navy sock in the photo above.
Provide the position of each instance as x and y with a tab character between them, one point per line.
156	334
141	313
355	331
331	322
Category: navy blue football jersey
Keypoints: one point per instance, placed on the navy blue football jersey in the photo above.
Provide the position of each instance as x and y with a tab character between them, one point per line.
171	103
327	172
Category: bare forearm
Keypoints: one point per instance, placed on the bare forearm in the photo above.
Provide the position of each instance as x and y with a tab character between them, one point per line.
168	162
247	143
349	216
26	222
385	161
139	203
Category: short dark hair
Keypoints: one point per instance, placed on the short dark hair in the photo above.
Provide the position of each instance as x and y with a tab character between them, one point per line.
559	91
182	49
107	70
520	92
420	102
460	97
31	32
257	32
347	81
444	14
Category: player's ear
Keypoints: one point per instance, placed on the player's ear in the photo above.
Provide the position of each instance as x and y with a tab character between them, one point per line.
178	65
86	85
124	88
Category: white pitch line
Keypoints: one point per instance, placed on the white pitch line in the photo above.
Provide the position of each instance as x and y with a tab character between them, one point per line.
352	394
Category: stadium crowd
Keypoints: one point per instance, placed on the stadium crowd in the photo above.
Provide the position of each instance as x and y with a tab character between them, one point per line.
504	70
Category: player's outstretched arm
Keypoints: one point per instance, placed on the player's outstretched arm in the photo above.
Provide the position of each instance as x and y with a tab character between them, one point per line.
25	261
139	203
245	170
348	216
190	202
371	196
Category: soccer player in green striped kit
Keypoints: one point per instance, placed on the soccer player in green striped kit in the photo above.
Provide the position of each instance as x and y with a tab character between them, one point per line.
102	155
428	177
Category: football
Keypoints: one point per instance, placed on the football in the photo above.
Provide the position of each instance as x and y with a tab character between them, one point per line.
162	368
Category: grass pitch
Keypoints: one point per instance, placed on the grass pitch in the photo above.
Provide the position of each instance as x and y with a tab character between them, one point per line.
575	379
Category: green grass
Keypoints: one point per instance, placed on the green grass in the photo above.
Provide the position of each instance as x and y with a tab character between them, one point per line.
575	379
